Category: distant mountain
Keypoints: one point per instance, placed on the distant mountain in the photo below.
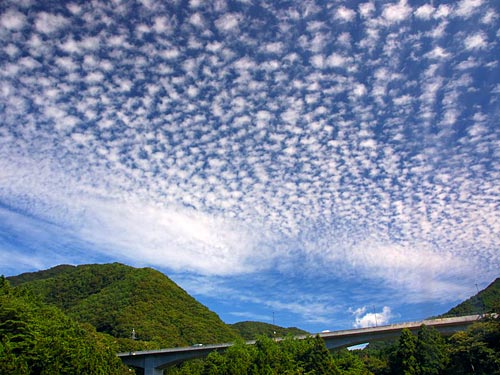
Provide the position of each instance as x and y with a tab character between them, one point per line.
251	330
117	299
487	300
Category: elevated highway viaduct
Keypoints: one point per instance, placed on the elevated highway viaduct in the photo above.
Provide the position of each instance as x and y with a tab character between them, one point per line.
154	361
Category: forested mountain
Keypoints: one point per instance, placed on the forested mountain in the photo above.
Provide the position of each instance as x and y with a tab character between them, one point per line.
251	330
117	299
486	301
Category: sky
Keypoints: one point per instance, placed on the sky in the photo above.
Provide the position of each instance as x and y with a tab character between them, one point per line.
316	164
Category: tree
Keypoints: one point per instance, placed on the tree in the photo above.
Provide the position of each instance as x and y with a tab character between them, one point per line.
404	361
10	363
350	364
377	355
215	364
317	359
476	350
41	339
268	357
239	358
431	351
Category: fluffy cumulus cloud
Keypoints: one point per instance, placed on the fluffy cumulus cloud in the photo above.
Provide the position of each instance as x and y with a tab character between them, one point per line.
233	138
364	318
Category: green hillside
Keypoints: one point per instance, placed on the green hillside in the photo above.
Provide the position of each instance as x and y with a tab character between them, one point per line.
36	338
252	330
486	301
117	299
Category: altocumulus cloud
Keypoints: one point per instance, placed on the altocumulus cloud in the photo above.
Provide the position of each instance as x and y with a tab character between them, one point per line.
231	138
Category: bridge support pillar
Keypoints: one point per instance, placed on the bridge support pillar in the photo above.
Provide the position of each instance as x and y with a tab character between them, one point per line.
150	364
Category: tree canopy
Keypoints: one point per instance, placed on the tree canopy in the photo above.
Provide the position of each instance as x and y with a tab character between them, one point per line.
36	338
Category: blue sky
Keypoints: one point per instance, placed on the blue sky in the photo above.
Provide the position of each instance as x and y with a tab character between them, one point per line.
323	162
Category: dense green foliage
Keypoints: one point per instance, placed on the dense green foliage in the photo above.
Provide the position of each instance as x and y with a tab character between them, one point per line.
425	354
39	275
266	357
431	352
116	299
350	363
70	319
39	339
404	361
486	301
473	351
476	350
252	330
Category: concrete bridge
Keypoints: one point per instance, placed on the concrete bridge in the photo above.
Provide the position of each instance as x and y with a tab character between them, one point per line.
351	337
154	361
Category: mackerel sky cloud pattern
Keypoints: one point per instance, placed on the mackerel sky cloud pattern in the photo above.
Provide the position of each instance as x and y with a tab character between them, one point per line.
324	143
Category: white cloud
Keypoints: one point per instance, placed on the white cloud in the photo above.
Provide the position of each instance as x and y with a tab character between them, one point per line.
291	116
416	269
48	23
345	14
195	3
244	63
169	54
465	8
70	46
12	50
368	143
424	11
366	9
403	100
228	21
162	24
318	61
274	47
174	237
443	11
197	20
259	131
489	17
74	8
13	20
438	53
359	89
337	61
94	77
475	41
364	318
394	13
